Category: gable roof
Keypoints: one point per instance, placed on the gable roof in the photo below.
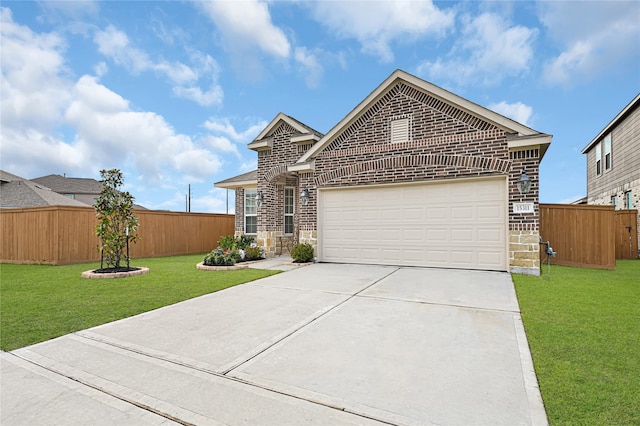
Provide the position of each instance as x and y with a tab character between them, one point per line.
523	135
245	179
631	106
66	185
260	141
17	192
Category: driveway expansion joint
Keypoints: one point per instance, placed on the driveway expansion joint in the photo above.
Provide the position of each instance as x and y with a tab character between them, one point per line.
451	305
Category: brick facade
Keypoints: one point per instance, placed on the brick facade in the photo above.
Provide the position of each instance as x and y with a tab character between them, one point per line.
445	142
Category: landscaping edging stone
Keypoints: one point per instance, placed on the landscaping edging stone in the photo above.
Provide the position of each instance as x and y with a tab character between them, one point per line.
93	275
298	264
204	267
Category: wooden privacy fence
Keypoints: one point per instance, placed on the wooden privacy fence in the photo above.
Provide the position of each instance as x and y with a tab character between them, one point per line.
65	234
626	234
587	235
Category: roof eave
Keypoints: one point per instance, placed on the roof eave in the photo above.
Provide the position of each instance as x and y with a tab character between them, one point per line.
541	141
237	184
619	117
307	167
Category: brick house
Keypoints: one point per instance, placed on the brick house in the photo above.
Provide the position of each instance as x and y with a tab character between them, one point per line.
413	175
613	162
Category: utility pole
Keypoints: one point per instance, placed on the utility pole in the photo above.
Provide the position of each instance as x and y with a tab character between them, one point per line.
189	199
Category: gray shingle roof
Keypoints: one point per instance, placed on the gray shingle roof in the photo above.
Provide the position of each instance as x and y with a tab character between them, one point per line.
66	185
17	192
251	176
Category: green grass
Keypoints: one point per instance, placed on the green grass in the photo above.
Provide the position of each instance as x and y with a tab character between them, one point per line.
583	327
40	302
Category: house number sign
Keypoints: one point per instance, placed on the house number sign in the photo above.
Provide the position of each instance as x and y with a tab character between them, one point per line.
523	208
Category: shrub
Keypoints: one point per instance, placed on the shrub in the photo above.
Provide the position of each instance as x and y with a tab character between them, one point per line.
221	257
253	253
244	241
301	253
227	242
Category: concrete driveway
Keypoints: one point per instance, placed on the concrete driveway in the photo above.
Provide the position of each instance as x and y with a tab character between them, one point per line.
323	344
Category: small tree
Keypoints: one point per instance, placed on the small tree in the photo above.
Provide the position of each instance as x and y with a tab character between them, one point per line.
117	222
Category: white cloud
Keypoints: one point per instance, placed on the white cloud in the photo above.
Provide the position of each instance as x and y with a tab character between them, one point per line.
39	98
594	36
377	25
107	131
224	126
114	44
488	50
221	144
247	24
310	66
214	201
516	111
211	97
28	60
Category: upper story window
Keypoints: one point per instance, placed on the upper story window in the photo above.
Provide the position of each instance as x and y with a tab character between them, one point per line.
598	159
289	207
607	152
72	196
400	128
250	211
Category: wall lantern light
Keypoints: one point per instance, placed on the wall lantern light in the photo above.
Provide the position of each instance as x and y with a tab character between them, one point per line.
524	183
304	196
259	199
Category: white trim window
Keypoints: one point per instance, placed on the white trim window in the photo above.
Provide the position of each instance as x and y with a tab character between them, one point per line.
289	208
628	200
614	201
607	152
250	212
598	159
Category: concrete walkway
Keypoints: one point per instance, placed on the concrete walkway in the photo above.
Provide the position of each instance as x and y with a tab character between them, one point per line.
321	344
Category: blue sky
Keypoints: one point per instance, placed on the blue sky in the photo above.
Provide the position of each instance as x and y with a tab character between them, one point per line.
171	92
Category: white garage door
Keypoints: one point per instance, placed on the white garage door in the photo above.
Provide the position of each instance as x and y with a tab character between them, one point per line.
452	224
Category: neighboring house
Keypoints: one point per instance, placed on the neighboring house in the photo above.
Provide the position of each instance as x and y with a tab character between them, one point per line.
17	192
85	190
613	162
414	175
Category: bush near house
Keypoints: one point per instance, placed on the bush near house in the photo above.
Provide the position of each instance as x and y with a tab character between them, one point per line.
301	253
232	250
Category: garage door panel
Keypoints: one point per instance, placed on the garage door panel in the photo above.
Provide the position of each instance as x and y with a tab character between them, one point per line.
463	235
462	257
491	212
437	213
459	224
494	235
491	258
437	236
413	235
462	213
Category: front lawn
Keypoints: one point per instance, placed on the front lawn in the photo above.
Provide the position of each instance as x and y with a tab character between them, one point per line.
583	327
39	302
